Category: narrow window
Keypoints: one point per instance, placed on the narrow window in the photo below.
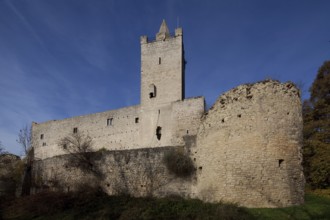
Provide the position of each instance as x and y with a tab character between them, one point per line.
75	130
109	121
159	60
136	120
42	136
152	91
44	144
280	161
159	132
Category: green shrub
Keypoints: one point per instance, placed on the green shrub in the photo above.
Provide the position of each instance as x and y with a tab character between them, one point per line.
179	163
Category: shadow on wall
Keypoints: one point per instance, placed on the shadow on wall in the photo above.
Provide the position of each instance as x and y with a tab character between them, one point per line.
139	172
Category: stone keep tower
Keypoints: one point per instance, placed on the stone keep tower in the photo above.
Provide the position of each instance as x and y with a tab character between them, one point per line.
162	83
162	68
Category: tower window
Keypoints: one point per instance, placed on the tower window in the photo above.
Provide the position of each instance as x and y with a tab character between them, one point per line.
44	144
75	130
280	162
42	136
136	120
152	91
159	60
109	121
159	132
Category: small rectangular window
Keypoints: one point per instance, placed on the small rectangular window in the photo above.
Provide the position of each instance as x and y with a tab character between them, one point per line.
44	144
136	120
160	61
109	121
42	136
75	130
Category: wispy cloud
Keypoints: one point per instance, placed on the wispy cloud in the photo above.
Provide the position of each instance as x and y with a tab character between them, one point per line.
25	22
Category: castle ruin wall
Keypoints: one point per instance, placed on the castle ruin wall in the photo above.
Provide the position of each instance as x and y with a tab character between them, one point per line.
138	172
112	130
249	147
123	128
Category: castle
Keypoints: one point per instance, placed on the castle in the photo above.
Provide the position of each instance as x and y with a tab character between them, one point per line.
246	149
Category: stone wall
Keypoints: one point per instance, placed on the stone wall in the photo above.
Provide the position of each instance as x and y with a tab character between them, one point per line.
139	172
246	150
11	168
186	118
120	133
129	129
249	147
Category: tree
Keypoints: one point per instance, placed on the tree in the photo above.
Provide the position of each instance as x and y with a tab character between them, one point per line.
25	139
316	115
320	90
79	149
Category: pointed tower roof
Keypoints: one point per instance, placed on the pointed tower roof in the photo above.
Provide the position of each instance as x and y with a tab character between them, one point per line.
163	31
163	28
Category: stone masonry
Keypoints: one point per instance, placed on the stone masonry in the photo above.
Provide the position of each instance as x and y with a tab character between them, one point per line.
246	149
249	147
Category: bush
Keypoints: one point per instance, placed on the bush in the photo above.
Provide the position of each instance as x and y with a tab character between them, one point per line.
178	163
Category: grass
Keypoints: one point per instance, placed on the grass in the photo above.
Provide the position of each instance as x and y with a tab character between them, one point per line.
100	206
96	205
315	207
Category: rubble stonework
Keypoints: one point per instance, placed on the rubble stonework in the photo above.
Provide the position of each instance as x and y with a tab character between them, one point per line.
249	147
246	149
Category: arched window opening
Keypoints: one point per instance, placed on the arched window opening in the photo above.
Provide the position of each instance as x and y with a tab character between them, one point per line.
280	162
159	132
152	91
109	121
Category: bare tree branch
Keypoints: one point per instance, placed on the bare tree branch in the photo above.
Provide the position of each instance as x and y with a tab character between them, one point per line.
25	138
80	148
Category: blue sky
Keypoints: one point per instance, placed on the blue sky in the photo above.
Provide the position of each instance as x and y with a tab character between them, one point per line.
64	58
